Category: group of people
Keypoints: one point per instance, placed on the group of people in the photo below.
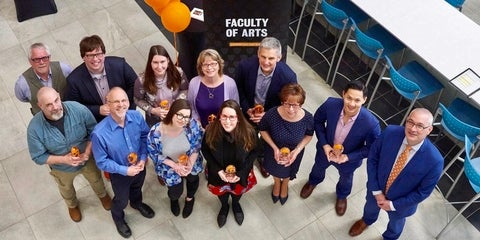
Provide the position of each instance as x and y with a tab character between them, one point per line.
228	122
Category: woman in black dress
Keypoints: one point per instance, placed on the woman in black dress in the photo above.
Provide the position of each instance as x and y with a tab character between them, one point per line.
288	128
229	147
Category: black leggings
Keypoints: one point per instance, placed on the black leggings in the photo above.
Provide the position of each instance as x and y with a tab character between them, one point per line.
174	192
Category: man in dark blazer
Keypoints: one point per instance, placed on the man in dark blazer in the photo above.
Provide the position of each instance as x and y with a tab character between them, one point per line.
259	80
415	181
89	83
342	122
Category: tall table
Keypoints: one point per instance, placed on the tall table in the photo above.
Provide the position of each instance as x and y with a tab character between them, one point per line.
442	36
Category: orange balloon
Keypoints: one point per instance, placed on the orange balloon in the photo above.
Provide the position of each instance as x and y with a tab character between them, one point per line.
176	17
157	5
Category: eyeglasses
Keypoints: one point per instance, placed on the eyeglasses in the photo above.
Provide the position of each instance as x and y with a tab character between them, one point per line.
93	55
291	105
226	117
208	65
410	123
116	102
182	117
44	59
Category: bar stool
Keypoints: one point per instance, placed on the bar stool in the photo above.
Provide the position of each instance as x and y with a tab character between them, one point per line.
304	5
376	43
472	172
412	81
460	119
458	4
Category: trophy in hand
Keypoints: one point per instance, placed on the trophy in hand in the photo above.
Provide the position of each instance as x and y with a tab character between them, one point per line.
132	158
211	118
337	150
230	171
284	152
183	159
75	152
258	109
164	104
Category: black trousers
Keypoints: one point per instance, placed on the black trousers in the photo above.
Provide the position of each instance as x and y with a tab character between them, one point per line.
175	191
126	188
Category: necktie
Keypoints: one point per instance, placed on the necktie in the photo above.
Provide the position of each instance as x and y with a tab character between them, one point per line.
398	167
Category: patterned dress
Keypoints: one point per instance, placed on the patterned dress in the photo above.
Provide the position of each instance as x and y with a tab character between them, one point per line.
284	134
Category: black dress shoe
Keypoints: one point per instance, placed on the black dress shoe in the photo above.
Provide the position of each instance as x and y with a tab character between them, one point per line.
175	207
222	216
283	200
275	198
264	172
123	229
145	210
237	213
188	208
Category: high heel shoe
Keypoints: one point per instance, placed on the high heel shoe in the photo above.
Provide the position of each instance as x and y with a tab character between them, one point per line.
275	198
283	200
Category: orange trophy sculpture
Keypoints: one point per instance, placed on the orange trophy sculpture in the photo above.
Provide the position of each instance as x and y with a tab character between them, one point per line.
183	159
132	158
230	171
75	151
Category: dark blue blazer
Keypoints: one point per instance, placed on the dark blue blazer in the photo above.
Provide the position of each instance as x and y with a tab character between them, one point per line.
246	79
364	132
81	86
416	181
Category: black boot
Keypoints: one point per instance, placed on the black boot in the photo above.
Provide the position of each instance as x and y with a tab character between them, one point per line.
188	208
222	215
237	209
175	207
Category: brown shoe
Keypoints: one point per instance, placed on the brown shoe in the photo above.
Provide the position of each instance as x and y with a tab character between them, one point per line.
160	180
75	214
307	190
357	228
341	206
106	202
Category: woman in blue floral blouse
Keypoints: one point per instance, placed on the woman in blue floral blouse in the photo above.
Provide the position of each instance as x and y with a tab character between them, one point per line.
174	146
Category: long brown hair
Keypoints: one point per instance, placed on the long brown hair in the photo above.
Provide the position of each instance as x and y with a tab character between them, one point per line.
243	133
174	78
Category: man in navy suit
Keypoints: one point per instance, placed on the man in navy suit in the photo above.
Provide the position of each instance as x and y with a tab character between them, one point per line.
259	80
346	125
90	82
415	181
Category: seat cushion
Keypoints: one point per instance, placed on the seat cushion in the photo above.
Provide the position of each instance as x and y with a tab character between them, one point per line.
27	9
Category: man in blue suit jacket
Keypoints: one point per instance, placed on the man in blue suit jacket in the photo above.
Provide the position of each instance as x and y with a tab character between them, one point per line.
259	80
345	123
414	183
90	82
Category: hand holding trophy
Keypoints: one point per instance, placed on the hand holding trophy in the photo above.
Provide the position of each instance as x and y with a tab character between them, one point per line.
183	159
258	109
164	104
132	158
230	172
284	154
75	152
337	152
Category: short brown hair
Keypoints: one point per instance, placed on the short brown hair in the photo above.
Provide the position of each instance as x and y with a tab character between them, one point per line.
91	43
177	105
293	89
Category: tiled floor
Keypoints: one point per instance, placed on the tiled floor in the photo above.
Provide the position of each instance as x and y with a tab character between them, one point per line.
31	208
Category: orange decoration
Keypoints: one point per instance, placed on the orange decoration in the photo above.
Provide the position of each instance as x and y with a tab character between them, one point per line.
175	17
183	159
337	149
75	151
258	109
132	158
157	5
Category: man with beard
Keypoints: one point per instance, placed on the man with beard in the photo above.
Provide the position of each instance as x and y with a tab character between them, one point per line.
120	148
52	134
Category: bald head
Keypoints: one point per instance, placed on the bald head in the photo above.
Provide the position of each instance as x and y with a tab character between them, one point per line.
48	100
118	103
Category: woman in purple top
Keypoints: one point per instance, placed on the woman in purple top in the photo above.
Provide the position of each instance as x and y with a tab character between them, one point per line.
208	90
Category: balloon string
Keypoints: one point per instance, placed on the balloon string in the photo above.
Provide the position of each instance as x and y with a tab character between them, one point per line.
175	46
